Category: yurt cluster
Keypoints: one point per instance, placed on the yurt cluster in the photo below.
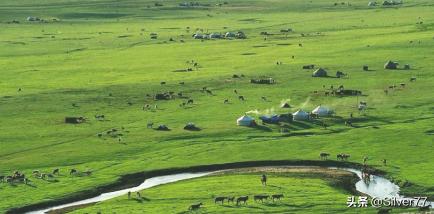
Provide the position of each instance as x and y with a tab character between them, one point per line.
299	115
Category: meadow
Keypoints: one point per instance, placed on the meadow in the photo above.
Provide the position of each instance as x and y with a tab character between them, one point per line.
97	57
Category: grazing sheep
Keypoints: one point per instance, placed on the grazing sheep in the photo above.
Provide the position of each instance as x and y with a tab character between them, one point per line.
276	196
243	199
220	199
195	206
324	155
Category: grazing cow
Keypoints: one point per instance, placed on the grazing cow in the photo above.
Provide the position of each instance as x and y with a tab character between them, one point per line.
226	101
243	199
231	199
162	83
56	171
195	206
276	196
72	171
220	199
260	198
324	155
241	98
190	101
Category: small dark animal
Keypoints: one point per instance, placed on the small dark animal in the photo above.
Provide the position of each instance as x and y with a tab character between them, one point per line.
324	155
260	198
226	101
72	171
220	199
195	206
231	199
241	98
412	79
162	83
243	199
56	171
190	101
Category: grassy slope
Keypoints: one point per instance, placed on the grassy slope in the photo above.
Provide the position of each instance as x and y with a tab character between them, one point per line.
32	135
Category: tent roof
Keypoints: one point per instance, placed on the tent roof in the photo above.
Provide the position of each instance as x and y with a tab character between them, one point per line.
300	112
245	118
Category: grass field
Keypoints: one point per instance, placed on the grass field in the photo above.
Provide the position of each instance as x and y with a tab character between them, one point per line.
98	58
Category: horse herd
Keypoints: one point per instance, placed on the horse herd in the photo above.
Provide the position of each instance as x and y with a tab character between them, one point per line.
239	200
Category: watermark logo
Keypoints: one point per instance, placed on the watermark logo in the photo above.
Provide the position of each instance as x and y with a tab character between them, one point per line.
364	201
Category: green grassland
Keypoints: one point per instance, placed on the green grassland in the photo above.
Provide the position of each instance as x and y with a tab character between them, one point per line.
103	47
300	189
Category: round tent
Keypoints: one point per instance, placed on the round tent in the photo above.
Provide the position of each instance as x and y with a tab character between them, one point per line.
300	115
319	73
321	111
246	121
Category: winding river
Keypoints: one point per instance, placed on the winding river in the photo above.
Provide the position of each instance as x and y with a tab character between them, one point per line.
378	187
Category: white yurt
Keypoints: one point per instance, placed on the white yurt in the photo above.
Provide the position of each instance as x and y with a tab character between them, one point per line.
300	115
321	111
245	121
